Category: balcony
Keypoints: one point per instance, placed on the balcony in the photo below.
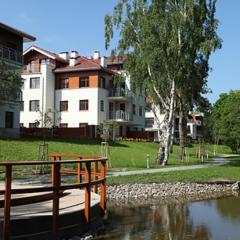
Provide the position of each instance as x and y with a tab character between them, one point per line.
120	116
30	69
119	94
11	55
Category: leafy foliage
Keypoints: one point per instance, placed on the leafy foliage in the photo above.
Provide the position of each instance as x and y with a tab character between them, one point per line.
10	83
225	119
168	43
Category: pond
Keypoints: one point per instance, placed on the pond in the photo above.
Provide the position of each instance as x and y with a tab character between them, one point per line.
202	220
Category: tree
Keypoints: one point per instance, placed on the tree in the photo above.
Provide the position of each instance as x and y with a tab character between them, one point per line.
10	84
225	119
165	41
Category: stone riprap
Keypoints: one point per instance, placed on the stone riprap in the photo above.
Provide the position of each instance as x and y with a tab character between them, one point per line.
125	192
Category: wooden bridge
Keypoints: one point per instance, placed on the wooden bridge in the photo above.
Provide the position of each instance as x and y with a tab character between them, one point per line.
90	173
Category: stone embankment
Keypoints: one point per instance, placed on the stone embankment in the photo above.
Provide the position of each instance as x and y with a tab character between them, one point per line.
146	192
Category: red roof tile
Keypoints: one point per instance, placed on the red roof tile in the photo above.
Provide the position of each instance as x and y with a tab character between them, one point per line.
84	64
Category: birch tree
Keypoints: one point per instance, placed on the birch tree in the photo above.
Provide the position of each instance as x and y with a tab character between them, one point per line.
156	36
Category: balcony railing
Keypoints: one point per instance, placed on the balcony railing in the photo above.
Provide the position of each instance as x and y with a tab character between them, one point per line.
27	69
10	54
119	92
120	115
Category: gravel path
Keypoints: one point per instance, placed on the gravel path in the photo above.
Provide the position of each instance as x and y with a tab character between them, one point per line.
217	161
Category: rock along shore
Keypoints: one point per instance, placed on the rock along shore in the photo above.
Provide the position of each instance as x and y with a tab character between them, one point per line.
148	192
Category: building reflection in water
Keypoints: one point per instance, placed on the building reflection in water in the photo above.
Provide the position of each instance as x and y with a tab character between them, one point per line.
205	220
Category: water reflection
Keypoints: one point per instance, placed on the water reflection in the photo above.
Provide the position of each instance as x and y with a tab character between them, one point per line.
205	220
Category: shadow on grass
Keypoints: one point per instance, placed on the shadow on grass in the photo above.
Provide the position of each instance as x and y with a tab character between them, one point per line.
234	163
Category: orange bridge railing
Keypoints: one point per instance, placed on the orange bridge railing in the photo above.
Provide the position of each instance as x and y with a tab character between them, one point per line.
87	167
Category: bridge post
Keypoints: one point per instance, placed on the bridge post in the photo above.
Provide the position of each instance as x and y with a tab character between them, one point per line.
103	186
56	188
7	202
87	191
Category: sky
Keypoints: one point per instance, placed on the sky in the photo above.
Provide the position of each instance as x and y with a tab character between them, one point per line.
61	25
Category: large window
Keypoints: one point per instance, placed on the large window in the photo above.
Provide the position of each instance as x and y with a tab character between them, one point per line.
102	82
84	82
102	106
35	82
149	122
9	120
34	105
140	111
83	105
22	106
134	109
63	106
64	83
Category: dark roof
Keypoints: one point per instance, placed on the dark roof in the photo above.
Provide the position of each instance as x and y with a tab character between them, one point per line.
83	64
26	37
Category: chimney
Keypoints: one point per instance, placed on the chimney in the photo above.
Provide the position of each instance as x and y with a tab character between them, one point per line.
72	61
96	55
74	54
103	62
64	55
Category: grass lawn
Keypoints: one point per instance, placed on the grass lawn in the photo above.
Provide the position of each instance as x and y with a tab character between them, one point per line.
123	154
230	171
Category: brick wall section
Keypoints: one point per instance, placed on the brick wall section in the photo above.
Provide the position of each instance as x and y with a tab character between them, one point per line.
88	132
137	134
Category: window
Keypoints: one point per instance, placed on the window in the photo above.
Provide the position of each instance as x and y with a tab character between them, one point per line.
83	125
149	122
84	82
23	84
134	109
33	125
140	111
63	106
22	106
63	125
83	106
102	82
35	82
64	83
34	105
102	106
9	120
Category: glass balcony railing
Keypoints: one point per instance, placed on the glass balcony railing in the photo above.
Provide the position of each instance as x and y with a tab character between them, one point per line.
10	54
119	92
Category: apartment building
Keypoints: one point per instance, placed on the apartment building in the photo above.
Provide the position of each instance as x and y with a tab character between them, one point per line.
11	50
79	91
153	123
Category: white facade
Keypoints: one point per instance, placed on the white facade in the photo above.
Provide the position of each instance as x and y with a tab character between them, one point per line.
74	116
44	94
104	104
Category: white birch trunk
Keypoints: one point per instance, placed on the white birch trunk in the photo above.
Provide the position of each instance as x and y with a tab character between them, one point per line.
169	125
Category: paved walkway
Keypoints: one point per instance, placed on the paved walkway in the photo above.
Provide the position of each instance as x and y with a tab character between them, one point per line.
217	161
